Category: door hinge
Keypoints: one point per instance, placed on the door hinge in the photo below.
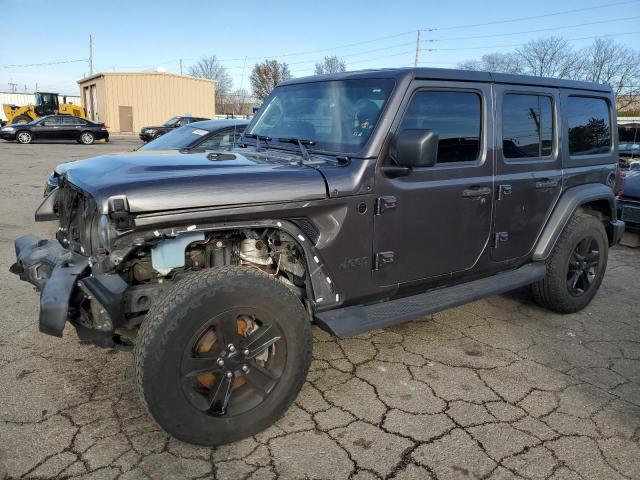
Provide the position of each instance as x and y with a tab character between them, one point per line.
503	191
382	260
500	237
385	204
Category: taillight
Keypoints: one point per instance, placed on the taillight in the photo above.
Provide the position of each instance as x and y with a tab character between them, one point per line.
103	126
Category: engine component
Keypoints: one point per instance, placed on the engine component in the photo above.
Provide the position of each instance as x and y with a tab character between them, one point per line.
255	251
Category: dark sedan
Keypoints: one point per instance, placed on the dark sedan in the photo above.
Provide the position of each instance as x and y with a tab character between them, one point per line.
628	201
207	135
149	133
56	127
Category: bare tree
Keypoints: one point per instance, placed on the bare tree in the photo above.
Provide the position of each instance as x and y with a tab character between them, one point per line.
330	64
212	69
495	62
606	61
266	75
550	57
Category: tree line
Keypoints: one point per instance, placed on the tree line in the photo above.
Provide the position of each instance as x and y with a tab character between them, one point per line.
603	61
263	78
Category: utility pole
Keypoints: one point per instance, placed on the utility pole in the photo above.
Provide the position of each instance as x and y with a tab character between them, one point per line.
180	66
13	86
90	55
415	63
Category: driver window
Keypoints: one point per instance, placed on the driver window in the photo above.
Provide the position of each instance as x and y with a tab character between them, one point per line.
455	116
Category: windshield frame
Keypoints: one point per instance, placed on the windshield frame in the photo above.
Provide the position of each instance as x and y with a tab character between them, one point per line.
366	150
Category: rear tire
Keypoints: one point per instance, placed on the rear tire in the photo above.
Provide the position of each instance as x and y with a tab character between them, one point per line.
576	266
21	119
87	138
24	137
184	396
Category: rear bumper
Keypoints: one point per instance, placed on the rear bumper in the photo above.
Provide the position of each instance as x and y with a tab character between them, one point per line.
54	271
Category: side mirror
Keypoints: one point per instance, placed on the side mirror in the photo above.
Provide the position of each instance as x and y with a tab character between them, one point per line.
416	148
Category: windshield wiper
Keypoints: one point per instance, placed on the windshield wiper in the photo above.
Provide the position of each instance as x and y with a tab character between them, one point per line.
301	142
264	138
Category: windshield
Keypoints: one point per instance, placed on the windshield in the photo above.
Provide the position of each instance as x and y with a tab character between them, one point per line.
182	137
339	116
171	121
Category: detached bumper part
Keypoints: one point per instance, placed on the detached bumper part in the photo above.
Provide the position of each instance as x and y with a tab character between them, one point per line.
54	271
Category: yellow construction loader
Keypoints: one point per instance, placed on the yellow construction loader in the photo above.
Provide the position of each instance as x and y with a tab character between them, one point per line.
46	104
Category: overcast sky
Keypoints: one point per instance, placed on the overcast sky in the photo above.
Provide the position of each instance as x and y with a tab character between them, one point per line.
134	36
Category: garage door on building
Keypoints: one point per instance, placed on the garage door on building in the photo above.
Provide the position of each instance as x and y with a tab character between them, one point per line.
126	118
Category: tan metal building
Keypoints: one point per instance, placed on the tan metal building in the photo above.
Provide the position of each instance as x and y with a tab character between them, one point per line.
126	102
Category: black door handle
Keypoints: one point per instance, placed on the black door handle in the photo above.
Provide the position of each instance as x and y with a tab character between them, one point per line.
475	192
546	183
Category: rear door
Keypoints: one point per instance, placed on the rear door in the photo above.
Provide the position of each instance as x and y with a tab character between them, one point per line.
437	220
529	171
70	128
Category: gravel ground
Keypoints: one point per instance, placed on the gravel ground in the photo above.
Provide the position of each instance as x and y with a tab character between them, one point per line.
496	389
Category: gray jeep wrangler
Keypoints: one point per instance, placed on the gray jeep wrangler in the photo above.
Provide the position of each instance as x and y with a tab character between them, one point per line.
354	201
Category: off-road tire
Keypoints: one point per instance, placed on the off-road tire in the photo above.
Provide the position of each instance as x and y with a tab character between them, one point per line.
87	138
21	119
24	137
172	321
552	291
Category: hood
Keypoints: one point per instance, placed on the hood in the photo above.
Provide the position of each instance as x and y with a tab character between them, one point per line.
156	181
632	184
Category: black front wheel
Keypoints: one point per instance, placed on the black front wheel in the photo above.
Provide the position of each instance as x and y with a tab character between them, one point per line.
222	355
576	266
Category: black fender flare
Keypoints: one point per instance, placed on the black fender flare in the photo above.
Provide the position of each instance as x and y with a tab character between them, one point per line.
572	199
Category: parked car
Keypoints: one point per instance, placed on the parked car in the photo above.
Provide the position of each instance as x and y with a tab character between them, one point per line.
56	127
628	201
149	133
205	135
356	201
629	153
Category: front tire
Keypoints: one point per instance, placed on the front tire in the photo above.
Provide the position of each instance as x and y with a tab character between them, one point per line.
87	138
222	355
576	266
24	137
21	119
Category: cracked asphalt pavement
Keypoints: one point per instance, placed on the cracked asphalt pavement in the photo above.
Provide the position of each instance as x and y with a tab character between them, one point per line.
497	389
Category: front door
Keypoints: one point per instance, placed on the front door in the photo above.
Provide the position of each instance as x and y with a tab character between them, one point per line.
125	114
528	172
437	220
48	128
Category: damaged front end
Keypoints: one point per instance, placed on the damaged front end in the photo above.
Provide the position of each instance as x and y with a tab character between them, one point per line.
103	276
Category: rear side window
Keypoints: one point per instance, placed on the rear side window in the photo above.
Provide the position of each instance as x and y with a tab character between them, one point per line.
527	126
455	116
589	126
69	120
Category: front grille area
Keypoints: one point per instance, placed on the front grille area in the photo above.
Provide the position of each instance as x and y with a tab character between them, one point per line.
78	219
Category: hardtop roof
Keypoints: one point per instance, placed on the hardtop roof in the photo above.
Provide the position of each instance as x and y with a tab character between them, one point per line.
456	75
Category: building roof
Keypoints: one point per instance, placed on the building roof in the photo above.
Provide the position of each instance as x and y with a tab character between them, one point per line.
164	74
457	75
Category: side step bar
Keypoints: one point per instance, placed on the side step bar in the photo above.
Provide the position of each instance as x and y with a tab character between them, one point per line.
349	321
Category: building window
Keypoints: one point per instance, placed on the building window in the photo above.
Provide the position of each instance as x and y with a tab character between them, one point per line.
527	126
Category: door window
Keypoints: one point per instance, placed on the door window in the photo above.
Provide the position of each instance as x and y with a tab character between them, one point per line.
220	140
527	126
589	126
455	116
69	120
53	120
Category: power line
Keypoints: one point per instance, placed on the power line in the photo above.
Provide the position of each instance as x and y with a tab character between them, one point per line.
532	17
522	44
532	31
43	64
